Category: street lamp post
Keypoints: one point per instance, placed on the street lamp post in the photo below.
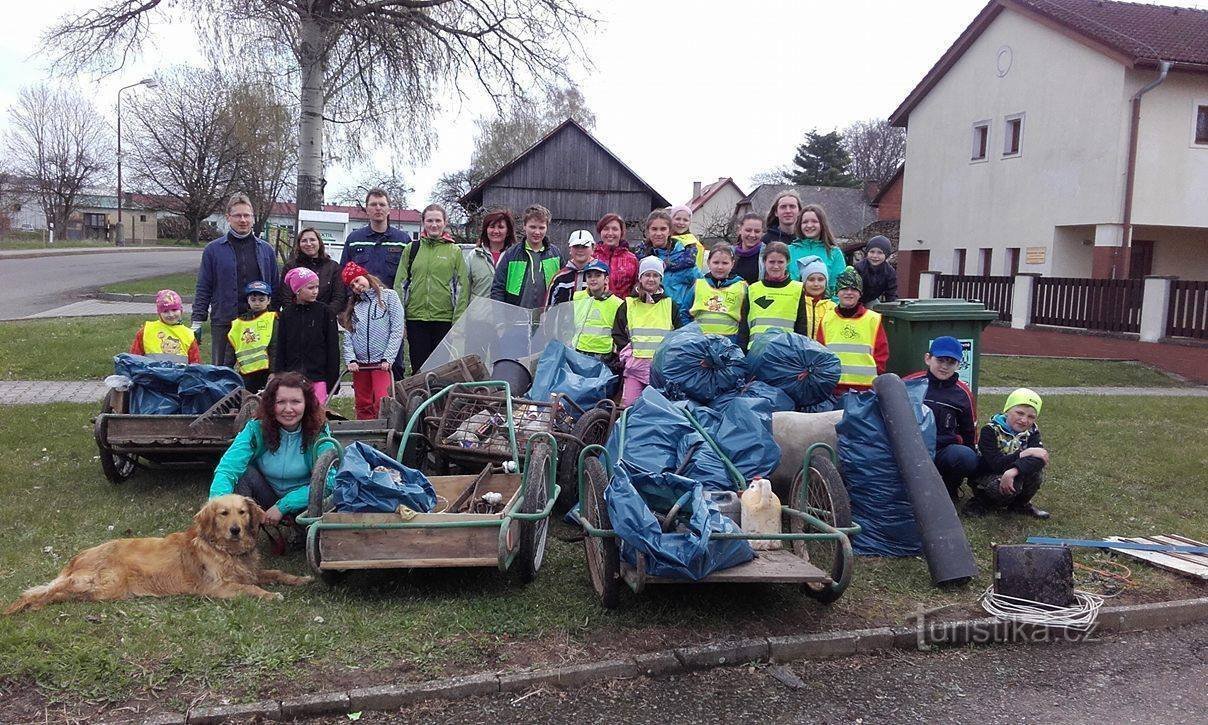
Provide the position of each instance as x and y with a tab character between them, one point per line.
150	83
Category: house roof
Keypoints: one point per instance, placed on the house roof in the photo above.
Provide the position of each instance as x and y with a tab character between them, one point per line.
708	191
1138	36
895	179
475	195
846	209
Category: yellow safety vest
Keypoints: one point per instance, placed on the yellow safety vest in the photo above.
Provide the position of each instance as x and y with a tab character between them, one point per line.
773	308
167	342
815	311
718	309
250	339
648	324
593	320
852	340
702	255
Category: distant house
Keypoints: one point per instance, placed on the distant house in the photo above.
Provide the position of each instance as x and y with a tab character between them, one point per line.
847	210
284	216
1063	137
713	207
574	176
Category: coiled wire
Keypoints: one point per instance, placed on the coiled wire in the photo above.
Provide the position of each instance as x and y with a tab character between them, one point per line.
1080	616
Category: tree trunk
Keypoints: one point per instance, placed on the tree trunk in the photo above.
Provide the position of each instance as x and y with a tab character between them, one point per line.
313	54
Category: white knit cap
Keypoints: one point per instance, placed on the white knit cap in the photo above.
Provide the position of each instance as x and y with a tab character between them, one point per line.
650	264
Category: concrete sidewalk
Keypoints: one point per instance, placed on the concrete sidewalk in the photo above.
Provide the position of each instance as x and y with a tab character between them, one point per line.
93	308
60	251
1197	392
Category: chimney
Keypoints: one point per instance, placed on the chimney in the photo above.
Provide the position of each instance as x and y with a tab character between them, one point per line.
695	189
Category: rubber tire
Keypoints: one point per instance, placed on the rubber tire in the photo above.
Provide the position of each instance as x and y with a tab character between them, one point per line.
533	534
249	410
318	482
825	490
415	451
603	554
117	467
592	427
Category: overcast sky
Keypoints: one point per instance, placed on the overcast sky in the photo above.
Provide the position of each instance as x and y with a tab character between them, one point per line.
682	91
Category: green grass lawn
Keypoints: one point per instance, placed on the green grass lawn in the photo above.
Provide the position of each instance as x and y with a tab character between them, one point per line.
1040	372
69	348
183	282
1114	472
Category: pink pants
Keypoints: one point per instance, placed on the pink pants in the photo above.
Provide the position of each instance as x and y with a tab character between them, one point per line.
369	387
321	392
637	377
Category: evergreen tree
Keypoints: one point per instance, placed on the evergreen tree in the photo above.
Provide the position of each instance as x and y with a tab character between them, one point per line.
821	161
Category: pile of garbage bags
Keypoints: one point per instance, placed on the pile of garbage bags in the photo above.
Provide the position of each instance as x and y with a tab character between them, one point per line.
799	367
371	481
582	378
162	387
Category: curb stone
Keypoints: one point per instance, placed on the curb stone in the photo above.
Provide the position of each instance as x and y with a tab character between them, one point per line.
128	297
167	718
778	650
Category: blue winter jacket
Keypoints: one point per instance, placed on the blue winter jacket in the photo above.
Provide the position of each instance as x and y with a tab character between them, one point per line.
218	292
378	252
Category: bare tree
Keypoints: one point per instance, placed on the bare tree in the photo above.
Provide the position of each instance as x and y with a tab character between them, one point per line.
57	139
393	183
262	123
183	144
721	225
876	149
362	69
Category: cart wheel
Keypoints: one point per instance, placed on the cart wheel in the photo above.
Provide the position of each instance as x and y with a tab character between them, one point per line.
826	495
318	482
415	451
117	467
603	558
591	428
330	577
536	494
247	411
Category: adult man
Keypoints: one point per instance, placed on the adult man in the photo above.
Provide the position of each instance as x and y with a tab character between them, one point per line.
228	265
378	248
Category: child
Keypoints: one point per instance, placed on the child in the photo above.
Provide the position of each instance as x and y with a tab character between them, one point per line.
854	334
572	277
308	341
880	277
720	300
167	338
681	223
679	264
1013	459
252	336
525	271
748	263
433	281
776	302
814	274
596	314
955	413
814	238
373	322
641	324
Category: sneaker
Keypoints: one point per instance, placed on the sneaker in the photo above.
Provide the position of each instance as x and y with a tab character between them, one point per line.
1030	509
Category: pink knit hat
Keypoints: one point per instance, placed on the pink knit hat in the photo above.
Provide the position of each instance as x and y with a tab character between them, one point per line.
167	300
299	277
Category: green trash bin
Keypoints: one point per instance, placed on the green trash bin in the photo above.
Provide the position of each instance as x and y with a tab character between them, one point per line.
911	325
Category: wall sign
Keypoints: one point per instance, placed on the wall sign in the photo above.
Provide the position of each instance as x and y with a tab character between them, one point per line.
1035	255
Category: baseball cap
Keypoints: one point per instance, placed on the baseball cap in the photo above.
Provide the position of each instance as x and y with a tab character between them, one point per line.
258	288
581	238
947	346
595	265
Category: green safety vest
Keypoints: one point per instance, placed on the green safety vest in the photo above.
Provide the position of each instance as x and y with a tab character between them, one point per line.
773	308
593	320
648	324
250	339
718	310
517	268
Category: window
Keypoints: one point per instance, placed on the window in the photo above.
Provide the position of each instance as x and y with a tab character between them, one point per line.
958	261
142	217
981	140
1013	135
1012	266
985	258
1201	123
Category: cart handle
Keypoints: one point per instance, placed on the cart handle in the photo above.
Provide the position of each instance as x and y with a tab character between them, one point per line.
507	400
735	475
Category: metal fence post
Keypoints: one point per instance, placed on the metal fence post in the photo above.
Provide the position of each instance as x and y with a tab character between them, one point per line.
1021	300
1155	307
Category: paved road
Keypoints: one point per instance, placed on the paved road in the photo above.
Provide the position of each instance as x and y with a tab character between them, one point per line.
28	286
1142	677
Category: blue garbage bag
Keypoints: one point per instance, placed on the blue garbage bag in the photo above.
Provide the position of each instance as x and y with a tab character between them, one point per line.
162	387
879	501
657	437
687	553
742	429
777	398
367	482
799	366
582	378
690	364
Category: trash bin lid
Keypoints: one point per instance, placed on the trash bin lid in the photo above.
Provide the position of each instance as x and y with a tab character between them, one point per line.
935	309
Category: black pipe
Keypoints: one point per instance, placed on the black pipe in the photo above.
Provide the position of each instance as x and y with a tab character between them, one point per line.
945	546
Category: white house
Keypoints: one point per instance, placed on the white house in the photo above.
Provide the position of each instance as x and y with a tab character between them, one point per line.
1064	137
713	206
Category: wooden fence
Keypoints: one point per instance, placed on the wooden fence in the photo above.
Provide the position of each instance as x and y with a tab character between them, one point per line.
1187	315
1112	305
995	292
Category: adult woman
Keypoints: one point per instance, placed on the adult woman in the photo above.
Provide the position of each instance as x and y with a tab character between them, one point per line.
271	459
613	250
782	217
310	253
497	234
814	239
433	282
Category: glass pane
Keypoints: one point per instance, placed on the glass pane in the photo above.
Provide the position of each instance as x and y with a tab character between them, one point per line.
1201	125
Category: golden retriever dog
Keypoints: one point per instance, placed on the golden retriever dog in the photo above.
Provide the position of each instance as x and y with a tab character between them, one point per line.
215	557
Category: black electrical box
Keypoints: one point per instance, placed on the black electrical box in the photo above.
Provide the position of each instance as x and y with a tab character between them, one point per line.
1037	573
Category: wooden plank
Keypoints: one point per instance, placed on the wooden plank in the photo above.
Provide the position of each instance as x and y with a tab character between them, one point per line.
410	563
769	567
1198	559
347	517
1161	560
338	546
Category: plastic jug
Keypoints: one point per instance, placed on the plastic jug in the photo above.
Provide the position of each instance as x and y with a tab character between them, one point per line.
727	502
761	513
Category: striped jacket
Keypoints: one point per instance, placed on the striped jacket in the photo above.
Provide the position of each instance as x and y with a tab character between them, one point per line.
379	328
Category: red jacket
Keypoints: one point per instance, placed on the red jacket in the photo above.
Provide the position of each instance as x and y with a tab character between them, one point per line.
880	349
622	267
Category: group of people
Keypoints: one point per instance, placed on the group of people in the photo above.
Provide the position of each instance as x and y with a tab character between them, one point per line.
785	273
